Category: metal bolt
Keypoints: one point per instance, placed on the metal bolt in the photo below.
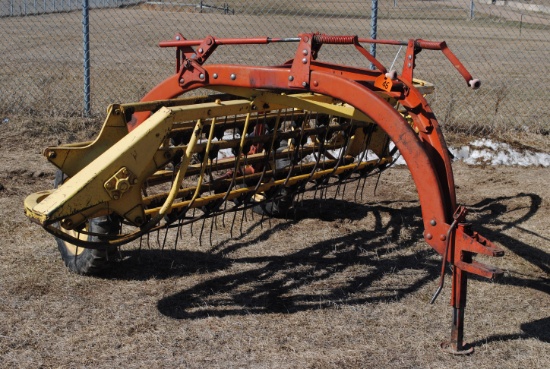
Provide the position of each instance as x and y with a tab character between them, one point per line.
233	76
305	52
304	84
290	78
135	181
304	60
215	76
306	38
178	38
209	41
182	80
108	185
201	76
429	236
442	237
116	196
410	57
409	65
315	83
52	154
201	50
433	222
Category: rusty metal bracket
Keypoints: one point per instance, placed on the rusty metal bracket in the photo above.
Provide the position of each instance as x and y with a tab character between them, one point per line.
299	76
189	61
458	216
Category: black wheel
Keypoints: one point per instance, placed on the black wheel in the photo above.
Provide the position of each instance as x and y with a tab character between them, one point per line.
82	260
279	200
276	208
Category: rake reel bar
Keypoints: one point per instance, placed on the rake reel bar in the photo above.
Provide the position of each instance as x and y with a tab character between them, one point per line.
265	135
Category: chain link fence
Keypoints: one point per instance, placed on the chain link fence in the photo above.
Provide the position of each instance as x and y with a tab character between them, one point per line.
504	43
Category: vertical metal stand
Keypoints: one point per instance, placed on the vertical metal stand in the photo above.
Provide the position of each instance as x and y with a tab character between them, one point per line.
86	48
458	302
373	28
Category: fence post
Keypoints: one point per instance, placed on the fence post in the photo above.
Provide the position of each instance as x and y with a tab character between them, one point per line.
86	47
373	28
472	9
520	23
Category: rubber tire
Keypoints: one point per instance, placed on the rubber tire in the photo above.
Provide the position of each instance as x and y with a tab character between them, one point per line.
89	261
276	208
281	206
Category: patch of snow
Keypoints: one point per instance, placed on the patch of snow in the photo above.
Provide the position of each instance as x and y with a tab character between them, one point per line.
485	151
481	151
489	152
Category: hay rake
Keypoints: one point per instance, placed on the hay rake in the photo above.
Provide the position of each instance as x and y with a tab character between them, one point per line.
257	139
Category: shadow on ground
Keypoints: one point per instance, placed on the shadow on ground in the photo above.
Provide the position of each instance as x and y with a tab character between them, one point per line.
319	275
309	278
537	329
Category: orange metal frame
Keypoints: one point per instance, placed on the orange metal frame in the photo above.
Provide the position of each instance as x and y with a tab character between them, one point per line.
422	145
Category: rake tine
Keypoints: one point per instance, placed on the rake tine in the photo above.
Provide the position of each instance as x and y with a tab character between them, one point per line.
262	220
223	214
177	235
233	224
294	207
357	189
211	230
164	240
180	228
191	225
343	190
241	225
363	188
341	157
202	229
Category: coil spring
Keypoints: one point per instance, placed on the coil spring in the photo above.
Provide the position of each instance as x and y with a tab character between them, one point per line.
328	39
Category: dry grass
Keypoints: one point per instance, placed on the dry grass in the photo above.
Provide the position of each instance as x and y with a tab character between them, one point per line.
345	284
126	61
341	284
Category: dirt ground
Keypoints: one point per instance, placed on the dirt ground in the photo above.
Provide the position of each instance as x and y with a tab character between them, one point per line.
340	284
